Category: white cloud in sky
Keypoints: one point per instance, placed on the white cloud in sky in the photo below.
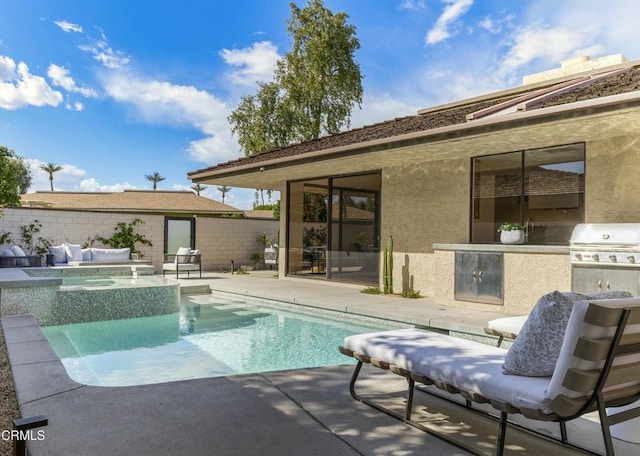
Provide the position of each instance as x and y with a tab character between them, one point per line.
252	64
453	10
104	54
412	5
164	103
68	26
60	77
69	178
20	88
75	106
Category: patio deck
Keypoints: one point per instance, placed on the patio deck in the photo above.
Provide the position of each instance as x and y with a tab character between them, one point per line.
300	412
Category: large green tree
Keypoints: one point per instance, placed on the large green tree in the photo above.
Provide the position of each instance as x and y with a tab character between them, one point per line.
315	86
15	177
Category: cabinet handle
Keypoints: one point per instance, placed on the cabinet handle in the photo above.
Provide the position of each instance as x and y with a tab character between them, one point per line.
608	286
599	285
473	274
479	276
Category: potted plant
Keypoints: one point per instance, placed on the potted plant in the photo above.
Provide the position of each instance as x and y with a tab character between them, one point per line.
511	233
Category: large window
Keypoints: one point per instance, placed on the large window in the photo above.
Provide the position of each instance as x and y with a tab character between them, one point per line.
333	228
541	188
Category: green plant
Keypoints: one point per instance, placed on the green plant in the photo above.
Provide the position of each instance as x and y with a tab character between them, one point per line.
510	226
411	294
371	290
264	240
240	271
31	241
125	236
387	267
257	258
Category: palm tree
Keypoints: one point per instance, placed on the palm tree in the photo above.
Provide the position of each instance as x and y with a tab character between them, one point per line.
198	188
50	168
224	190
155	178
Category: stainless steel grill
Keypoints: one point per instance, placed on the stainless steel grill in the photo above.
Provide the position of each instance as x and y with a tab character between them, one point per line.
605	257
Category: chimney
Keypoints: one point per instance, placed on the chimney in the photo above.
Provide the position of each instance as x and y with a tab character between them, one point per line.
574	66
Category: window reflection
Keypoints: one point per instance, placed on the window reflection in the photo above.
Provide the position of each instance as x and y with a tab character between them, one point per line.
541	188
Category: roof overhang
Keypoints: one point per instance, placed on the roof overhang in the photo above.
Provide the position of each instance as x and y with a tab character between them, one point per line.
574	122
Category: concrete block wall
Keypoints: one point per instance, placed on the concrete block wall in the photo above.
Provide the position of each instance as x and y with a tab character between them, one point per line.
219	239
222	240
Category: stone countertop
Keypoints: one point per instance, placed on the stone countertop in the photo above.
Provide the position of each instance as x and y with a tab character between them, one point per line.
506	248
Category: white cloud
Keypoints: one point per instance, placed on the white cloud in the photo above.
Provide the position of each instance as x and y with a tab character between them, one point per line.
164	103
60	77
69	178
412	5
252	64
76	106
68	26
550	44
451	13
105	55
20	88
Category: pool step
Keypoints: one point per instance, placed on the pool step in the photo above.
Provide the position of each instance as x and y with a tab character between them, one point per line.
194	289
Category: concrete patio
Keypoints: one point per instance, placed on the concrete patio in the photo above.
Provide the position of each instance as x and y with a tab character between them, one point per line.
300	412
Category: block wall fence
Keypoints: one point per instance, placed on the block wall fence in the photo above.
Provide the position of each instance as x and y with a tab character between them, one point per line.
221	240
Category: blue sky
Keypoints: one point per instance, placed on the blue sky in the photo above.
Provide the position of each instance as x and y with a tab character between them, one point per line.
113	90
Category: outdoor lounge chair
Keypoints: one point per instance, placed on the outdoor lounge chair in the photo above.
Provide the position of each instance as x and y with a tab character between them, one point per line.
598	367
185	260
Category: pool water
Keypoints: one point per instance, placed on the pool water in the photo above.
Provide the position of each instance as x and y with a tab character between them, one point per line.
209	337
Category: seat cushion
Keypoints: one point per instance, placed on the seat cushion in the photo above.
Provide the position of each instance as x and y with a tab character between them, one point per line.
183	255
59	254
17	251
464	364
110	254
508	325
73	252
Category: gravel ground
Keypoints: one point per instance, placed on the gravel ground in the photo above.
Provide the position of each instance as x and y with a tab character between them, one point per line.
8	403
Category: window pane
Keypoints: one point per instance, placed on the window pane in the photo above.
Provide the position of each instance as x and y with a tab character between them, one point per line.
497	186
554	193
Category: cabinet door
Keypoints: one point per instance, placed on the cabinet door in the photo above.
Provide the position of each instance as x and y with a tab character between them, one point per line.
490	273
466	284
593	280
478	277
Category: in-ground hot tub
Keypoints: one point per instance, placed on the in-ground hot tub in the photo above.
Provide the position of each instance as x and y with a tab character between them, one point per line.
77	295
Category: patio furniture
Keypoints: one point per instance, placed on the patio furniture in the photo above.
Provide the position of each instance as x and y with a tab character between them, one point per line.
15	257
184	260
598	366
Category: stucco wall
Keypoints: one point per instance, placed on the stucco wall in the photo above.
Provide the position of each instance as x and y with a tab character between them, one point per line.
613	188
422	204
219	239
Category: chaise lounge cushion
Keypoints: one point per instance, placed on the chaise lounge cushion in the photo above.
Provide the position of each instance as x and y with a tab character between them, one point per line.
464	364
537	347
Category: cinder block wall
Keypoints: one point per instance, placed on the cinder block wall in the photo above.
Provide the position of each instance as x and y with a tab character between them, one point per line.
219	239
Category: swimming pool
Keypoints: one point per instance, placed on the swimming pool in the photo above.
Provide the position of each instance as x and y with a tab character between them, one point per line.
209	337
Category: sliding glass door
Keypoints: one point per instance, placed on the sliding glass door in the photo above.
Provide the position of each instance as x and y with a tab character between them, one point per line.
333	228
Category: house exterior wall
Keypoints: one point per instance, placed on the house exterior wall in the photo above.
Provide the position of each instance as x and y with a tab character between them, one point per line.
219	239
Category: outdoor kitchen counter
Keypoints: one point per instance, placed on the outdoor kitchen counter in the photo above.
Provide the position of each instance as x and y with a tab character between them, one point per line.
499	277
506	248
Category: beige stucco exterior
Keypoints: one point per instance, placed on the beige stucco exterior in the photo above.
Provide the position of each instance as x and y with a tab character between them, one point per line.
426	180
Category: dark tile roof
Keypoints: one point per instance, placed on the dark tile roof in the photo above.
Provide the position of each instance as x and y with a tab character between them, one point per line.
453	114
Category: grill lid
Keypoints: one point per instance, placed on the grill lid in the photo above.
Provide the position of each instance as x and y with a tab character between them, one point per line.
606	235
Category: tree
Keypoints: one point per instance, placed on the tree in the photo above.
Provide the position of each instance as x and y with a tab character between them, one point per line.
320	76
198	188
155	178
224	190
50	168
15	177
315	85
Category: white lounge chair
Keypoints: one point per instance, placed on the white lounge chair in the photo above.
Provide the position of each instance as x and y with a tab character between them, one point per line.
184	260
598	367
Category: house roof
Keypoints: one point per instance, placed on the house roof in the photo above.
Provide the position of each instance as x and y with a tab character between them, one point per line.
598	83
143	201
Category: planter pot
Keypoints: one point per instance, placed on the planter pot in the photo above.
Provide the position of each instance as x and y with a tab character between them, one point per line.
512	237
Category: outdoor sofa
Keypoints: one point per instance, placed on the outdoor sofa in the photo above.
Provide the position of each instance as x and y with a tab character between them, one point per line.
74	255
596	365
184	260
15	257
